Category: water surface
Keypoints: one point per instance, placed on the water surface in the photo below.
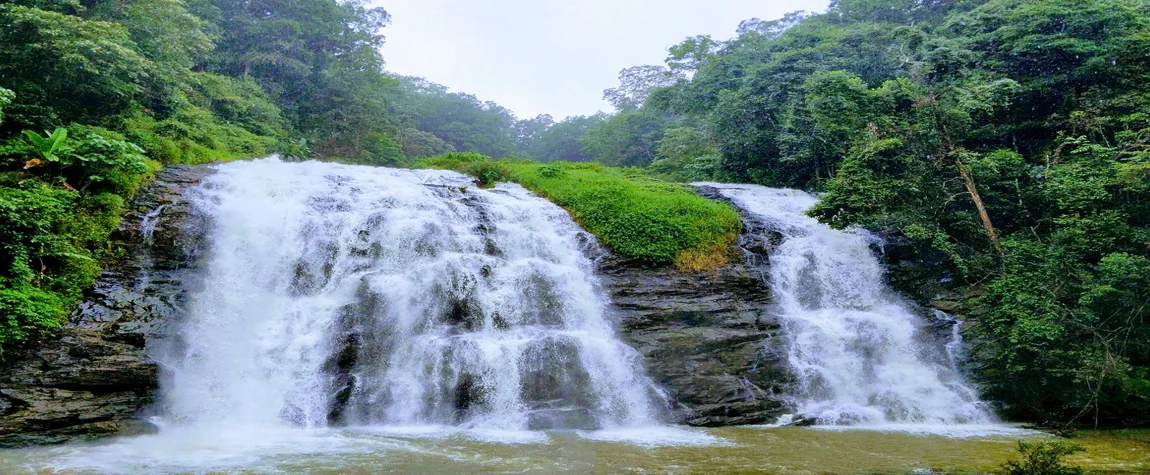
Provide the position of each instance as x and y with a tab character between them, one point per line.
652	450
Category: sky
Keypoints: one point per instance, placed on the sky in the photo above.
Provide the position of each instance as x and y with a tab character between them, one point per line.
552	56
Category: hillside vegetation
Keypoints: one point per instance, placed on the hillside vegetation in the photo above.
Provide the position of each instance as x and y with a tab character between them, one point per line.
637	217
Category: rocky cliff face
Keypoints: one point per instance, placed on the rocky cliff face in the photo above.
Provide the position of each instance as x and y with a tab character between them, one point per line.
710	340
95	377
706	338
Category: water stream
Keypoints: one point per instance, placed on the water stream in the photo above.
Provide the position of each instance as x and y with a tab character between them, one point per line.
338	295
782	451
863	355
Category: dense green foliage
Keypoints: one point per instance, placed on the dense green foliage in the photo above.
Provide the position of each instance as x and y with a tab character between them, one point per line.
632	214
545	140
110	83
1004	145
55	216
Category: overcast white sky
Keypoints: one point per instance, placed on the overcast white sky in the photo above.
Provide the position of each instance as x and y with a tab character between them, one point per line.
552	56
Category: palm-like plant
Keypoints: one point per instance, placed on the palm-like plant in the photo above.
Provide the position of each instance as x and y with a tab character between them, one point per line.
46	146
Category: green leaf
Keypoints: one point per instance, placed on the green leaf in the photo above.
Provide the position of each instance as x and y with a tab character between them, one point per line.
56	140
36	139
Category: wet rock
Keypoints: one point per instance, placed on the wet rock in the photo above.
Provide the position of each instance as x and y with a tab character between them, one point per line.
916	272
804	421
547	417
710	339
94	377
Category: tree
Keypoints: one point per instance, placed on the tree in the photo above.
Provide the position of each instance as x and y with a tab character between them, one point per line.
319	59
6	97
164	31
95	69
528	132
627	139
636	84
686	57
564	141
686	154
461	121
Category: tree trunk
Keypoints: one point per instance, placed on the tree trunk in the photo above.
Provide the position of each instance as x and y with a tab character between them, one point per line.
973	190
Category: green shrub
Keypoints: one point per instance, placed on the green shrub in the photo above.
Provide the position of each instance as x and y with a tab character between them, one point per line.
551	172
297	149
382	150
81	157
26	312
104	160
1043	458
55	219
237	101
636	216
48	144
32	215
487	172
453	160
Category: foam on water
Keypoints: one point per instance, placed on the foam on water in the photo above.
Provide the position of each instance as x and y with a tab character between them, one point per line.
861	353
953	431
181	450
440	432
656	436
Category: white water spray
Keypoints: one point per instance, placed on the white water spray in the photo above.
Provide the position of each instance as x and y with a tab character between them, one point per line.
856	348
335	294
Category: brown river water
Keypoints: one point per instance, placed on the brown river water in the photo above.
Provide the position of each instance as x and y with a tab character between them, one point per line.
657	450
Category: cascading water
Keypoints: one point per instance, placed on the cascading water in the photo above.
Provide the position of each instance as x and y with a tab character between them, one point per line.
338	295
856	348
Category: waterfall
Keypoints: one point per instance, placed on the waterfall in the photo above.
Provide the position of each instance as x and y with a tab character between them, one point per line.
860	352
343	295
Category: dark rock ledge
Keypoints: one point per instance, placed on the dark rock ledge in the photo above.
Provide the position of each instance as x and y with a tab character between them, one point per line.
710	340
94	377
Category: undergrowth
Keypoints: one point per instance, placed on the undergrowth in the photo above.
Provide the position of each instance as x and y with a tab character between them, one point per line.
1043	458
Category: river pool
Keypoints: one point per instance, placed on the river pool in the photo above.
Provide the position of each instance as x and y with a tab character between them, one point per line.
786	450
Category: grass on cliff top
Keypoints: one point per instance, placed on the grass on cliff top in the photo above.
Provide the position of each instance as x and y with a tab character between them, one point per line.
636	216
